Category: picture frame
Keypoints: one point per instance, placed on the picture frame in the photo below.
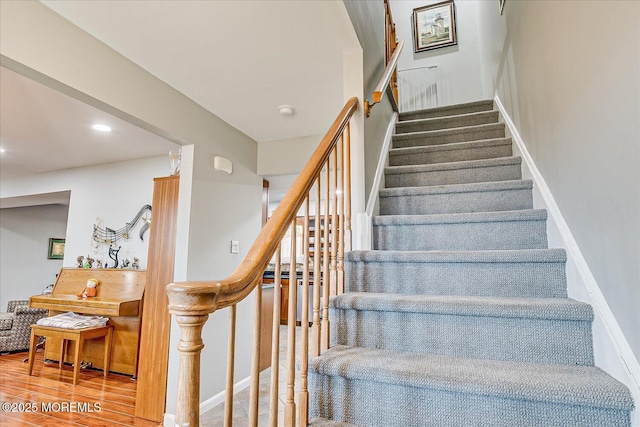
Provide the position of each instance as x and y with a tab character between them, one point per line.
56	248
434	26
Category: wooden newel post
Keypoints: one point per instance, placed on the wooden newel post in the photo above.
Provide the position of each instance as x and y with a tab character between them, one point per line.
190	347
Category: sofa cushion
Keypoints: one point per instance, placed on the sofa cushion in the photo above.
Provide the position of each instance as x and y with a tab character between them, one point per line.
6	321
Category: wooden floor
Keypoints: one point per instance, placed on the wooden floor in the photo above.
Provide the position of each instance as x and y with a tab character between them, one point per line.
52	400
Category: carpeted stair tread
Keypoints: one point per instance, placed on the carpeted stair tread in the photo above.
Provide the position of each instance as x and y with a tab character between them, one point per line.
447	122
450	166
559	384
462	218
490	196
525	308
510	256
534	273
475	187
472	150
322	422
446	136
449	110
459	172
499	230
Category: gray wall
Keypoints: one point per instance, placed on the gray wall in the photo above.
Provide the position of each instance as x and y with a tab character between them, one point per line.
24	244
367	18
569	77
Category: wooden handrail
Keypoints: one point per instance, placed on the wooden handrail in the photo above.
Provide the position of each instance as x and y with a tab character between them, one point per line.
204	297
192	302
385	79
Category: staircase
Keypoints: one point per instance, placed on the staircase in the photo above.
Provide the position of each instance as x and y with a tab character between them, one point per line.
459	316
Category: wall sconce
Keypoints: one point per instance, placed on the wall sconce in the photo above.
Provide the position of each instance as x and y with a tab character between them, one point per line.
222	164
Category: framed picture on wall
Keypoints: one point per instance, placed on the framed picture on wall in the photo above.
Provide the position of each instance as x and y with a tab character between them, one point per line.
56	248
434	26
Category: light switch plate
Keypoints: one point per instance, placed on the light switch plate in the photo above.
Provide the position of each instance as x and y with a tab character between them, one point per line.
235	247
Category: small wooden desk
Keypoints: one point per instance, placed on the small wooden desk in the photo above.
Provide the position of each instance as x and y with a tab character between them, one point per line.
76	335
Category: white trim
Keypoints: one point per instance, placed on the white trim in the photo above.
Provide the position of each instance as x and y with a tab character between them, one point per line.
207	405
363	230
382	160
603	312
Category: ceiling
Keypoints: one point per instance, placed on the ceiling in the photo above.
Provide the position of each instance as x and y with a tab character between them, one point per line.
42	130
238	59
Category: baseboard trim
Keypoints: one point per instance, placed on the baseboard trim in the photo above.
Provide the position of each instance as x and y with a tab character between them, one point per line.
363	220
382	160
601	308
170	419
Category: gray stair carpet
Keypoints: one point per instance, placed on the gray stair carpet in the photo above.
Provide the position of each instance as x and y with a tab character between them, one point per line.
529	273
459	316
447	122
457	198
373	387
520	229
454	152
466	172
436	137
450	110
323	422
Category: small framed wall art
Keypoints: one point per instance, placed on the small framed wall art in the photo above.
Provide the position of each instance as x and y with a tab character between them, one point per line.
434	26
56	248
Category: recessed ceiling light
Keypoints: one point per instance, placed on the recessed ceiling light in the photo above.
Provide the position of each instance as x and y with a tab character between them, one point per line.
2	150
102	128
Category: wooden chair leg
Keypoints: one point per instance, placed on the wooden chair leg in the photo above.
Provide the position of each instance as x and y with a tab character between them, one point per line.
63	352
32	349
76	365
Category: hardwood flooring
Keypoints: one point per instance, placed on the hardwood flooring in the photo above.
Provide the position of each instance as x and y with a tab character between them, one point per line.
48	398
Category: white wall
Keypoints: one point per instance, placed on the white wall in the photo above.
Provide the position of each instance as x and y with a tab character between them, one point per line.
459	78
286	156
114	192
25	269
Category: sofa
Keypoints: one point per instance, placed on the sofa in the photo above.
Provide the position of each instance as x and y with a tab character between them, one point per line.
15	325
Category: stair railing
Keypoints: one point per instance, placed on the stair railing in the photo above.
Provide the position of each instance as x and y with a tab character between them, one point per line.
328	173
392	53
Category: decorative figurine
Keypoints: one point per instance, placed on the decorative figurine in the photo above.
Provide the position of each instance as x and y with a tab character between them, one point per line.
79	261
136	263
91	290
113	254
125	263
99	263
88	263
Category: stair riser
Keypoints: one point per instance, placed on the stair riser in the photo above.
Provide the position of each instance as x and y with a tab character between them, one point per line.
526	280
462	109
461	236
538	340
453	176
486	201
401	141
444	156
361	403
448	123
